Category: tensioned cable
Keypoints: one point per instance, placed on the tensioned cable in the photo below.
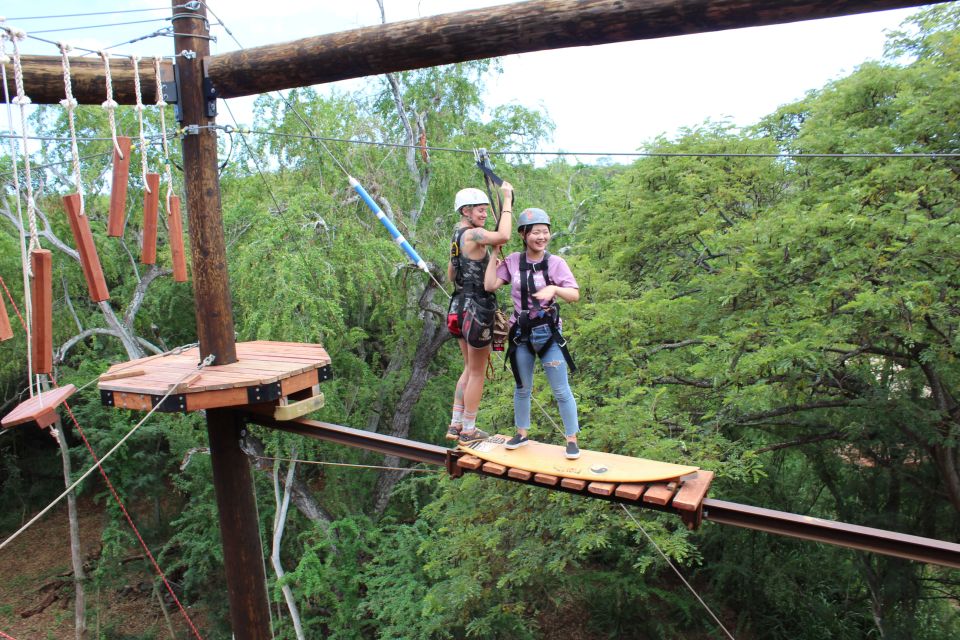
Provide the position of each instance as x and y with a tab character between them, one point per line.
207	361
677	571
60	162
93	13
103	26
641	154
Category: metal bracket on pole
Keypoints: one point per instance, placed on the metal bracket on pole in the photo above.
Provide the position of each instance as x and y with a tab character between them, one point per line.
209	91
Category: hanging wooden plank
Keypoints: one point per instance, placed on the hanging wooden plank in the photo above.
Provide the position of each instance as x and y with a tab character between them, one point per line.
118	188
41	408
89	260
151	203
41	289
177	254
6	331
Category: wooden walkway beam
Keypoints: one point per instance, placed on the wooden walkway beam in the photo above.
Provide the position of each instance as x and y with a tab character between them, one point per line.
502	30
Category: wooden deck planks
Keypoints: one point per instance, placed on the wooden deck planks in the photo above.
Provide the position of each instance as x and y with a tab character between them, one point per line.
262	365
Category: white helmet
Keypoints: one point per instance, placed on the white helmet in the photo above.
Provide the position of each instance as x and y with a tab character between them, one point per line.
468	197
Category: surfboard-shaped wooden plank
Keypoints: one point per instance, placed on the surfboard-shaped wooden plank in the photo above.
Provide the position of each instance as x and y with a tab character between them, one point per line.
118	188
41	290
89	260
591	466
151	202
41	408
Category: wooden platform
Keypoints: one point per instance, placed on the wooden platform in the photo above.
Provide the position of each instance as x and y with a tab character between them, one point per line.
41	408
266	373
683	496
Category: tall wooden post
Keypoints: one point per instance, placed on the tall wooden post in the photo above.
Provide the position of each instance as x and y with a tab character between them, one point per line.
242	553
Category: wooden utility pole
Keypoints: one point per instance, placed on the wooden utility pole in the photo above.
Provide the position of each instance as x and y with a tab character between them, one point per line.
242	553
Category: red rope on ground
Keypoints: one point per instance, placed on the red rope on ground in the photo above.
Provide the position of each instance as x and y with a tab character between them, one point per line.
113	491
3	635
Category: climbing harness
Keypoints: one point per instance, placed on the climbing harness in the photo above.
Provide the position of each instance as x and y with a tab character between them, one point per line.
472	308
543	315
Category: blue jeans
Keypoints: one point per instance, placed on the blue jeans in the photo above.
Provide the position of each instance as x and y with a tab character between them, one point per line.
556	369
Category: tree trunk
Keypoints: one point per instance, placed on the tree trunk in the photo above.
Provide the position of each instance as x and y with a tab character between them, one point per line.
432	337
279	522
76	557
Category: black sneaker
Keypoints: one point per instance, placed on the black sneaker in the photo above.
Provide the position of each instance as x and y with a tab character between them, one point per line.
516	442
573	451
466	437
453	431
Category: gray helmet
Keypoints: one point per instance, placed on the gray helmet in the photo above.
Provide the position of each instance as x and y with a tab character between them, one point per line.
532	216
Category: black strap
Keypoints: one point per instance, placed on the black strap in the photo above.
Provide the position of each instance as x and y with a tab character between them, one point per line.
455	257
550	315
490	180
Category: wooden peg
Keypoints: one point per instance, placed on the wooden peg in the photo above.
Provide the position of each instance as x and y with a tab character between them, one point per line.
177	255
118	188
89	260
6	331
41	289
151	202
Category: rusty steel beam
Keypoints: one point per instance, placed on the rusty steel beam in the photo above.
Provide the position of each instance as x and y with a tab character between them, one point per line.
521	27
841	534
853	536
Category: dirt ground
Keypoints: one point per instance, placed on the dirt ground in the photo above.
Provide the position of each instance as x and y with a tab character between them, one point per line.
37	592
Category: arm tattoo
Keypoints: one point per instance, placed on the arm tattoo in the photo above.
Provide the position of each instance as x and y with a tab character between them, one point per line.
477	235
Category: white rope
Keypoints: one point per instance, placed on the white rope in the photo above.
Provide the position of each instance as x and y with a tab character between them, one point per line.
22	100
70	104
110	105
161	105
677	571
207	361
6	34
139	109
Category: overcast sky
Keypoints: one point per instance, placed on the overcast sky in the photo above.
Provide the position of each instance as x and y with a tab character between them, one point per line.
610	98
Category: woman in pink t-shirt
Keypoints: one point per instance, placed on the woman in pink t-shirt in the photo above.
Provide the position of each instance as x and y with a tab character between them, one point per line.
536	280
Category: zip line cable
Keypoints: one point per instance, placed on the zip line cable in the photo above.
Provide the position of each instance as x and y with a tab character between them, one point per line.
677	571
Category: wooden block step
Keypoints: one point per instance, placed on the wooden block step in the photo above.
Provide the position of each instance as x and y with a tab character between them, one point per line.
630	491
519	474
601	488
494	469
660	493
299	408
573	483
693	490
471	463
545	479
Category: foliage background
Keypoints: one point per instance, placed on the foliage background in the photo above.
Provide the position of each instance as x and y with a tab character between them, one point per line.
787	322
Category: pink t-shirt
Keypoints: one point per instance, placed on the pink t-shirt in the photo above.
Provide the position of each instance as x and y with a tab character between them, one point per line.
557	269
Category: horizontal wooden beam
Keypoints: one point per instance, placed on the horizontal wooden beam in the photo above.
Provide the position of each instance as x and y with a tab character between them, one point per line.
43	80
455	37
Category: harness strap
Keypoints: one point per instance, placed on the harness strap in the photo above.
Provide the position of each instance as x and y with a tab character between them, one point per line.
549	315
